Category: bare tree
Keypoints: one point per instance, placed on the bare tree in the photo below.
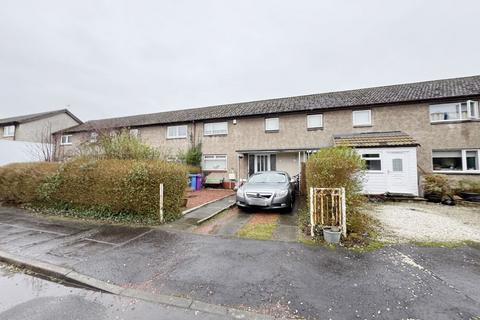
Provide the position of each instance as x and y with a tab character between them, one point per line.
44	149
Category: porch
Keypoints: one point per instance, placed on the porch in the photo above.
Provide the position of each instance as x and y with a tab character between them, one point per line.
288	160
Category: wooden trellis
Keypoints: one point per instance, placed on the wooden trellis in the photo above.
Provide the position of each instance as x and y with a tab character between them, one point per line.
327	208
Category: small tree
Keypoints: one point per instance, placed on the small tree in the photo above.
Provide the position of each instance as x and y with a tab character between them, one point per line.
337	167
193	155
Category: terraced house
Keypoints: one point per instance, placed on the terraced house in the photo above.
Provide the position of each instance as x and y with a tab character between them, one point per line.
402	131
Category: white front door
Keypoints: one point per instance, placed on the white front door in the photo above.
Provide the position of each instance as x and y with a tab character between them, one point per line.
262	162
397	171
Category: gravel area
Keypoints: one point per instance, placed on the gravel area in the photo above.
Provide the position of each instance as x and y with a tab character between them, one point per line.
403	222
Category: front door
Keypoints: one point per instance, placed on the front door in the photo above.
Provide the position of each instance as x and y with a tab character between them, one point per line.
262	162
397	172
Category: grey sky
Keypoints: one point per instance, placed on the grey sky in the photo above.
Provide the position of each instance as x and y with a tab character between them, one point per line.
115	58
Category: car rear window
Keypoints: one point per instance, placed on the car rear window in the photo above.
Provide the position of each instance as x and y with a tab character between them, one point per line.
268	177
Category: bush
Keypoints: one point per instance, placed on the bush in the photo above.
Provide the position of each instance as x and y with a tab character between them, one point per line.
193	156
122	146
467	185
337	167
117	186
19	181
436	183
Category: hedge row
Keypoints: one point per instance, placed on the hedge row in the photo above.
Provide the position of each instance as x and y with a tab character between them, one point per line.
19	182
110	186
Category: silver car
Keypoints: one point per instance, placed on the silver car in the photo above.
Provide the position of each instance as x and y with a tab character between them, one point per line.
268	190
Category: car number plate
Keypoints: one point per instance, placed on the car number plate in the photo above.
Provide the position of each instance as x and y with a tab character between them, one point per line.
259	202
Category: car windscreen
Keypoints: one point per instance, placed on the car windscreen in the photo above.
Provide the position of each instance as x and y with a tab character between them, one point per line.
268	177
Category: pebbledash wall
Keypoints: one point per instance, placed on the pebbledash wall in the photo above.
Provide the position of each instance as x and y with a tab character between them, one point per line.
248	133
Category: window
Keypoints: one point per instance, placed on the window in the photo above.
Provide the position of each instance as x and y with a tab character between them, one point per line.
271	124
397	165
66	139
454	111
134	133
372	161
314	121
216	162
93	137
215	128
455	160
9	131
176	132
362	118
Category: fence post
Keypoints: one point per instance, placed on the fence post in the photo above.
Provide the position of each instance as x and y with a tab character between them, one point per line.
311	213
344	213
161	203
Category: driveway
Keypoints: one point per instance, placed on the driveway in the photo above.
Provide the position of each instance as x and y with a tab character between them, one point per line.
427	222
284	279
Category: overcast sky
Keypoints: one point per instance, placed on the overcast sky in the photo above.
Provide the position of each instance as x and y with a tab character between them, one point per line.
114	58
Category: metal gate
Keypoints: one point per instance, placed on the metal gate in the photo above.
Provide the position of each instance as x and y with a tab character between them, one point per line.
328	208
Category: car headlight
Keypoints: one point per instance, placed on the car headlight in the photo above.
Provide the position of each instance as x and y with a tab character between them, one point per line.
282	193
240	192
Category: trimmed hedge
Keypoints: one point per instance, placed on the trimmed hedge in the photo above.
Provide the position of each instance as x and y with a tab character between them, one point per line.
111	187
19	181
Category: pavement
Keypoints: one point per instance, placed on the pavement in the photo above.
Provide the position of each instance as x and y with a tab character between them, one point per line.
196	216
36	298
281	279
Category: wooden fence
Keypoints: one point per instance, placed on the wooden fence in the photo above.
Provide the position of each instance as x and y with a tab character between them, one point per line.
327	208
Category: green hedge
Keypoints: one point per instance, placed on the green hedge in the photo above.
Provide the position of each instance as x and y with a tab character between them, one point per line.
19	181
111	186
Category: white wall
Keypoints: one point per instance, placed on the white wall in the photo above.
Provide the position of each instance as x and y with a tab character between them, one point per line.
382	181
19	151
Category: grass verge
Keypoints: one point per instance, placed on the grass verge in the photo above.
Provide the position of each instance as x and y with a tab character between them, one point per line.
259	231
446	244
97	215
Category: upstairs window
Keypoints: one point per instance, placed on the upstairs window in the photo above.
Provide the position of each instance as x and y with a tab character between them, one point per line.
456	160
362	118
314	121
9	131
215	128
372	161
66	139
272	124
177	132
454	111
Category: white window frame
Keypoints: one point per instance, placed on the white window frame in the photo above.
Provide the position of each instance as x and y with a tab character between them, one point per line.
310	116
373	158
272	120
215	157
9	131
177	136
68	139
210	130
464	162
365	124
470	104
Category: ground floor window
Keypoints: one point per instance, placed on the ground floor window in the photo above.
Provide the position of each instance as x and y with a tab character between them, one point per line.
372	161
214	162
456	160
